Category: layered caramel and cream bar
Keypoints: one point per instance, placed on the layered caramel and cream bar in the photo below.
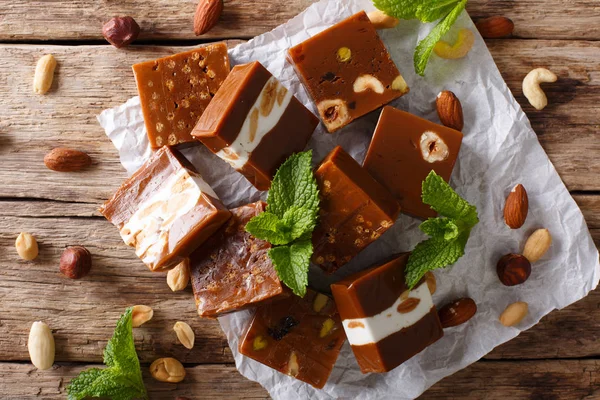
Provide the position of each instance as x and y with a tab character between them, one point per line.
254	123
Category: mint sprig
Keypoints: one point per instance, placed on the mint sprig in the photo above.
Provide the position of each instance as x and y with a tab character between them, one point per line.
447	11
289	219
122	379
448	234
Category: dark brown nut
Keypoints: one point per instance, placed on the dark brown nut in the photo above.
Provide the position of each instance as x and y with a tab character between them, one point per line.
121	31
495	27
62	159
458	312
75	262
182	398
513	269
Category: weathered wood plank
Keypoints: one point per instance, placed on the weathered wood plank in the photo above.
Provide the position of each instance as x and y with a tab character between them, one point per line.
92	78
165	19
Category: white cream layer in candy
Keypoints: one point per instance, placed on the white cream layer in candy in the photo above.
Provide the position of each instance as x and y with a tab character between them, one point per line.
148	228
259	121
377	327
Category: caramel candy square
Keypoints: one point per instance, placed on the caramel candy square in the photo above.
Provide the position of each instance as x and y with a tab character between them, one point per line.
300	337
165	210
386	324
404	149
347	71
355	210
175	90
232	270
254	123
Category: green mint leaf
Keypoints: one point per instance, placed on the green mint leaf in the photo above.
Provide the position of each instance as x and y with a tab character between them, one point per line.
300	221
267	226
402	9
294	185
443	199
291	263
440	227
432	10
425	46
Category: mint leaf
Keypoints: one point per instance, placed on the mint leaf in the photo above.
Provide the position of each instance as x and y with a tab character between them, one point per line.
442	198
299	220
122	380
432	10
402	9
267	226
425	46
291	263
440	227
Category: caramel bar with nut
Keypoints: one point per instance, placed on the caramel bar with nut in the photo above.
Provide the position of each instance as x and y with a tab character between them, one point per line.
300	337
347	71
232	270
404	149
165	210
355	210
385	322
254	123
175	91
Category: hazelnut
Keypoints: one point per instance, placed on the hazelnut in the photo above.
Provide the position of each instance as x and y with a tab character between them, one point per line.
513	269
75	262
167	370
334	113
367	81
121	31
26	246
433	148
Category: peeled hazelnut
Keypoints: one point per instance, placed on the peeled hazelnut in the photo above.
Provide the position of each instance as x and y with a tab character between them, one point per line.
367	81
75	262
179	277
513	269
320	302
121	31
334	113
167	370
433	148
26	246
514	313
140	315
185	334
326	327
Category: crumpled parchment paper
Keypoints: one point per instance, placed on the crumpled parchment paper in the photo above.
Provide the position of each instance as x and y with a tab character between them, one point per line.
499	150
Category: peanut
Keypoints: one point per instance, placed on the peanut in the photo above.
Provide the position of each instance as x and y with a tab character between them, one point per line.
140	315
185	334
179	277
167	370
44	74
27	246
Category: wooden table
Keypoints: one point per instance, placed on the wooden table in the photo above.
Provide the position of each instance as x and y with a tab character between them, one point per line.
558	358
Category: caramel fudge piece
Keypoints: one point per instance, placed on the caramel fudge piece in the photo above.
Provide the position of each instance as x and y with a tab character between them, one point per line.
404	149
165	210
300	337
347	71
254	123
232	269
386	324
355	210
175	90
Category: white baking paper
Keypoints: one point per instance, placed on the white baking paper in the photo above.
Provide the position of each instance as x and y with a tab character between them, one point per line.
499	150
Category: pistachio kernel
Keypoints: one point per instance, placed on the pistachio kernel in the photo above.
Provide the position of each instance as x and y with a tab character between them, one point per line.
344	54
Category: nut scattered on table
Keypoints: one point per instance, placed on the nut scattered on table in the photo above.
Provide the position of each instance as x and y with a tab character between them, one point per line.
381	20
75	262
44	74
167	370
516	207
537	245
179	277
513	269
514	313
532	90
185	334
121	31
207	15
62	159
449	110
459	49
495	27
431	282
41	345
140	315
458	312
26	246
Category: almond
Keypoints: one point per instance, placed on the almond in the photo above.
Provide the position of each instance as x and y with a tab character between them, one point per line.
537	245
458	312
495	27
207	15
408	305
62	159
514	313
516	207
450	110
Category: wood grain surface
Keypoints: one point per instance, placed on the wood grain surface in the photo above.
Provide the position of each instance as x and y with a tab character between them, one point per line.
557	359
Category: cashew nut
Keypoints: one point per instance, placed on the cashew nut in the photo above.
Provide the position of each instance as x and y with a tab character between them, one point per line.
381	20
532	90
459	49
367	81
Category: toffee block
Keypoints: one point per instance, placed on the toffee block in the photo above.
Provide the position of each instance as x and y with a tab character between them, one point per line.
355	210
175	90
404	149
165	210
386	324
347	71
300	337
254	123
232	269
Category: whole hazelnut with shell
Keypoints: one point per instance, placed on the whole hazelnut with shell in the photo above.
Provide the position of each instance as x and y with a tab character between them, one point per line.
75	262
